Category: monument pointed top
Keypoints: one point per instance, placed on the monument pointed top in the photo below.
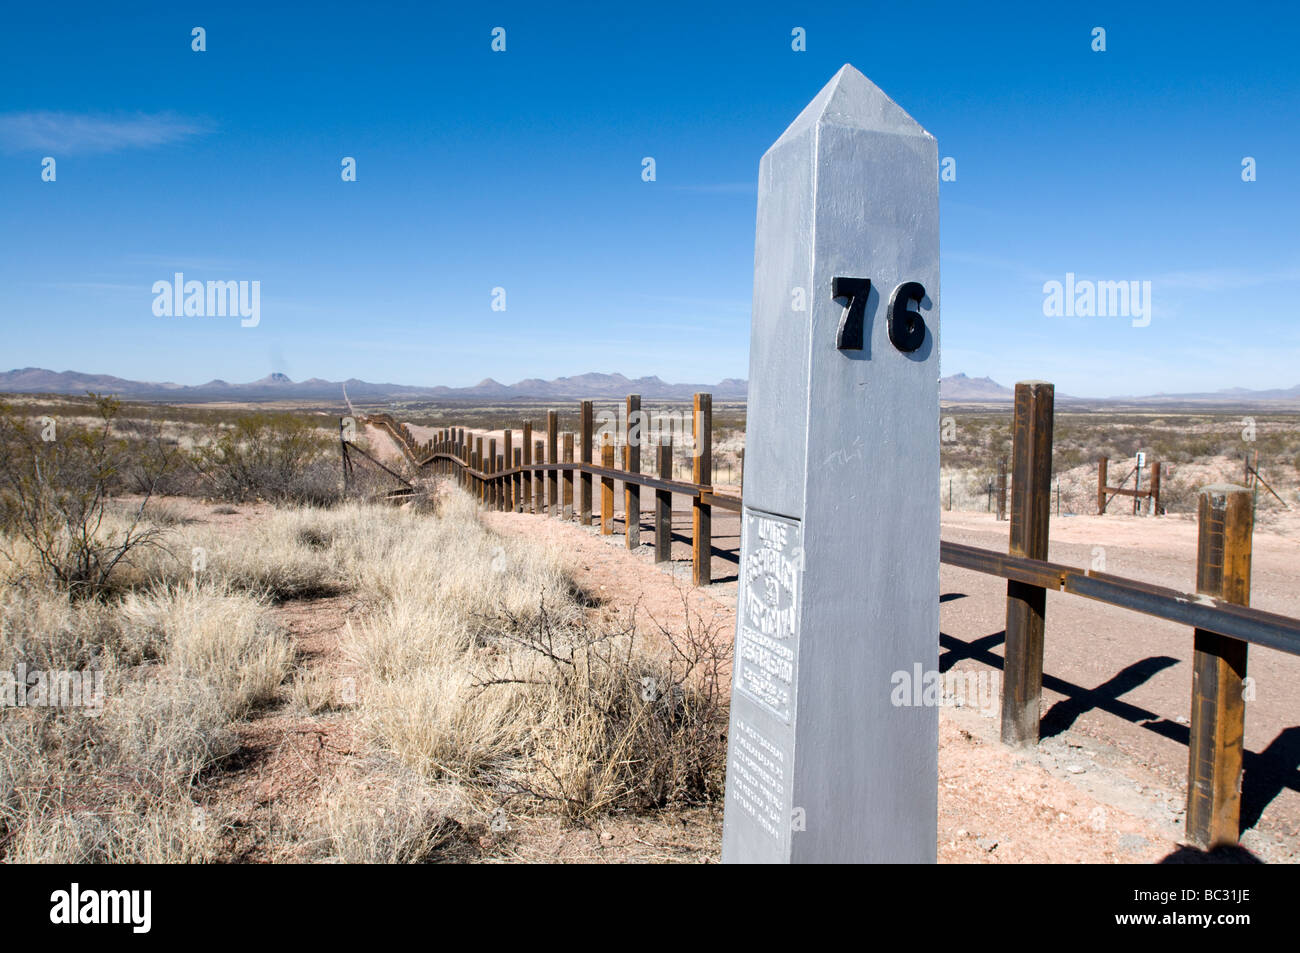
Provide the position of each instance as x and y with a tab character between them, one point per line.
850	99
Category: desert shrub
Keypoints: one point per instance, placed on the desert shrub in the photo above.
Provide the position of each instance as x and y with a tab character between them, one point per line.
616	725
1068	458
56	480
268	456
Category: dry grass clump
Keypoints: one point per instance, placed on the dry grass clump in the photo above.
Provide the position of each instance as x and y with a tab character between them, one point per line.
407	558
165	727
216	635
288	554
441	584
430	712
481	666
112	788
137	831
390	817
114	779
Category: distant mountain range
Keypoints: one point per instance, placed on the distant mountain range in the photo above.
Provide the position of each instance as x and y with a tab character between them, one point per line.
958	388
955	389
36	380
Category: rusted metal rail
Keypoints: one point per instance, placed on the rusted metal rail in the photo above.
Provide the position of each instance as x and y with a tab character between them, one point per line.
1197	610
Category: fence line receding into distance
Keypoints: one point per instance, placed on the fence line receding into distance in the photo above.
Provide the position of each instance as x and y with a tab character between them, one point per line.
535	478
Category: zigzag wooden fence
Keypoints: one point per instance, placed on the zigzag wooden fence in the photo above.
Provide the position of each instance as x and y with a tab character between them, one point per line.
542	476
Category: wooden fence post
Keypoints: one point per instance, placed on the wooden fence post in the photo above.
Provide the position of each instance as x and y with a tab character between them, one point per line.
664	506
480	486
552	456
702	470
539	457
584	442
567	508
1031	507
1155	488
470	463
606	487
1002	489
498	484
518	481
633	433
1216	738
1103	469
508	483
527	475
467	455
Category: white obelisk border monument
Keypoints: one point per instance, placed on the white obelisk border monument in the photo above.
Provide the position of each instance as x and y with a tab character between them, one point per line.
833	752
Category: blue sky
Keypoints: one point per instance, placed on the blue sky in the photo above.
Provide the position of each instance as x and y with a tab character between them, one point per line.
522	170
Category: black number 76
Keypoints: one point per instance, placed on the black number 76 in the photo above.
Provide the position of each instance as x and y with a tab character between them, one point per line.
906	327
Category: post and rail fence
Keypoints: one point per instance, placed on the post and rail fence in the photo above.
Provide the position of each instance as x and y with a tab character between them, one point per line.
547	477
530	482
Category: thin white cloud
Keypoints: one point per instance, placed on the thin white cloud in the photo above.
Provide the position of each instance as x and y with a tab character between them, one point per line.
61	133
